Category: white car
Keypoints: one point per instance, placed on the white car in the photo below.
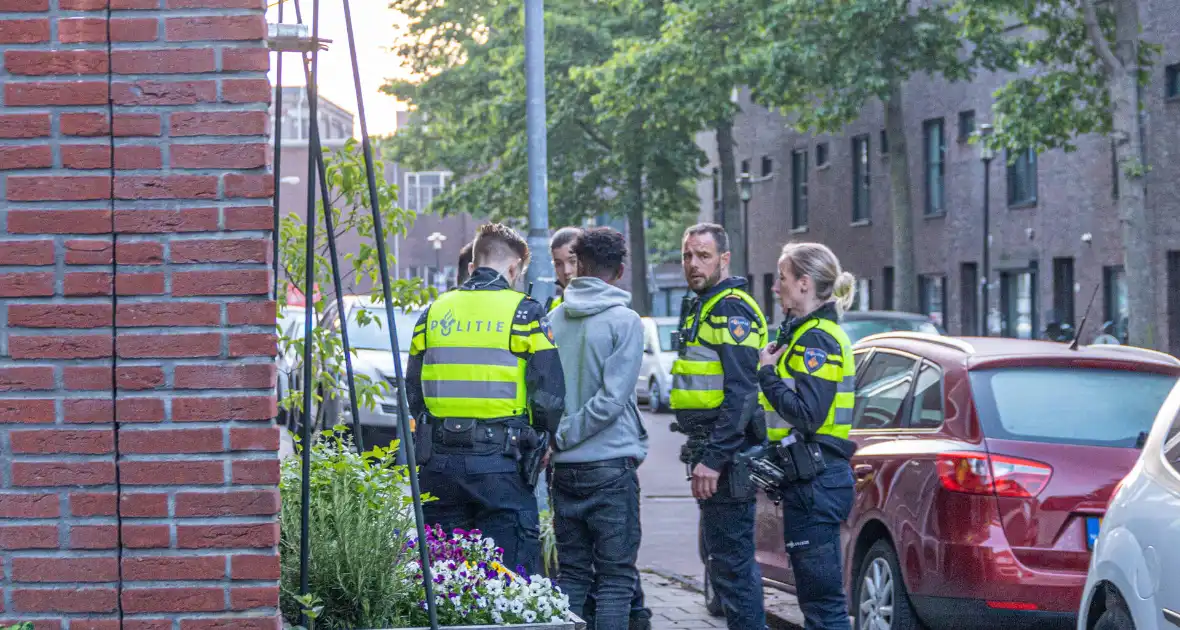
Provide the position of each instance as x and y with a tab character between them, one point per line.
655	374
1134	579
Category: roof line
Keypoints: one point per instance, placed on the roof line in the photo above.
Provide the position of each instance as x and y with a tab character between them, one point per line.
950	342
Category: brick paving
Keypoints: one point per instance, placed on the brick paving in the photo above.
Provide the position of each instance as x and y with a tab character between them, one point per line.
674	606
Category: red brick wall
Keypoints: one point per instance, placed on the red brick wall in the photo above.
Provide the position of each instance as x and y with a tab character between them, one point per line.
137	463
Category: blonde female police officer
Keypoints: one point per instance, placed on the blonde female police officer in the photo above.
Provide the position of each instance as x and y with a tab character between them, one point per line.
807	379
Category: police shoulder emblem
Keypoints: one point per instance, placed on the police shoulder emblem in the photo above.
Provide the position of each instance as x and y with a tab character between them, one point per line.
546	329
814	359
739	327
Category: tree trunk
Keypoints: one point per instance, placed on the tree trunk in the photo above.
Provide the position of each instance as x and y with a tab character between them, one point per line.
640	293
1132	202
731	212
905	278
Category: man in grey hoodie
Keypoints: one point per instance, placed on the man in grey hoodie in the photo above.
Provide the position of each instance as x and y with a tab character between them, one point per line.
601	440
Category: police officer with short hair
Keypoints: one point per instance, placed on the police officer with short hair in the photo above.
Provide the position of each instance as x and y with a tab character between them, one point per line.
485	380
565	263
808	378
713	379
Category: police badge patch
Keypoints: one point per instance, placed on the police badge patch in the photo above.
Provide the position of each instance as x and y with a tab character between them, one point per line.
814	359
546	329
739	327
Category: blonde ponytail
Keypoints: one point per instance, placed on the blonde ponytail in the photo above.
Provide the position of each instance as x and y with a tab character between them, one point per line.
844	291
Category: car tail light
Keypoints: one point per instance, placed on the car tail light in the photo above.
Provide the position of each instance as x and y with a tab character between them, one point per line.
977	473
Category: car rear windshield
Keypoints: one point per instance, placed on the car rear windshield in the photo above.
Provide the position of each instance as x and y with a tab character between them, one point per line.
1062	405
858	329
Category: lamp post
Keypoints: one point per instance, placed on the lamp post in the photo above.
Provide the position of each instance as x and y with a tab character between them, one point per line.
436	240
986	154
746	191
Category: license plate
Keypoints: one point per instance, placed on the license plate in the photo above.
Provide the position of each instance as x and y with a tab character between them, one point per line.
1093	526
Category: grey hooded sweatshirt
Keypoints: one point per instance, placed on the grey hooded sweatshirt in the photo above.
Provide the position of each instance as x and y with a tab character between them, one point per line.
600	342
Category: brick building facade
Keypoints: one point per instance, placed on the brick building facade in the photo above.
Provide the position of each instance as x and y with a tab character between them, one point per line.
138	466
1042	270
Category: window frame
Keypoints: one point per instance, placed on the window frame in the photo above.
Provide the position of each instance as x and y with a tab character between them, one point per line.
935	166
767	166
941	397
416	188
862	178
967	116
800	200
1009	303
903	410
1172	82
1028	162
926	280
823	155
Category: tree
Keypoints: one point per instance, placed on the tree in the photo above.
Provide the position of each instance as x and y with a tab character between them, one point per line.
821	62
1088	64
351	214
683	70
469	93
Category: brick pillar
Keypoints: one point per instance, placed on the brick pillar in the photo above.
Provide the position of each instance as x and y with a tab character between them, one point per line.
134	300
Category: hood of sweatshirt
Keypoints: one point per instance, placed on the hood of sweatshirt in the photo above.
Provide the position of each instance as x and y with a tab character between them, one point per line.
589	296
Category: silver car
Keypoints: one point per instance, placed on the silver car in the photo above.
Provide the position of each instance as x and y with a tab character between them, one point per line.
655	374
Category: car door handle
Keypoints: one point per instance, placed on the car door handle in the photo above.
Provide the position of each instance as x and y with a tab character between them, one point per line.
862	470
1173	617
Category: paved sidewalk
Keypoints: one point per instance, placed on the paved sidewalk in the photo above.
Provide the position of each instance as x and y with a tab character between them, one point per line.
678	604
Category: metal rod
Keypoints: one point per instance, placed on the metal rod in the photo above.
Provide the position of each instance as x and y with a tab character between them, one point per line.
330	229
986	280
403	415
316	149
278	158
309	312
541	268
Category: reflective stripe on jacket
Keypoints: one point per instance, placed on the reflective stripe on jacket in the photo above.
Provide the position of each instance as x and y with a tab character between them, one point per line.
796	364
698	381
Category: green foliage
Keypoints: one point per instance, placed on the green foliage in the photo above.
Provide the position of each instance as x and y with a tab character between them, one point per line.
24	625
351	214
1067	93
361	517
548	543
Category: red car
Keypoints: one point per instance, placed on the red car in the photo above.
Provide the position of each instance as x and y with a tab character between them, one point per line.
983	471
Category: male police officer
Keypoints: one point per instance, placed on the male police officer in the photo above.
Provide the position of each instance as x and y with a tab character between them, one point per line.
565	263
485	379
464	270
713	379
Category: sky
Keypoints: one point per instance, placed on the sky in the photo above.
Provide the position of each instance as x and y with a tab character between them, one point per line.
375	27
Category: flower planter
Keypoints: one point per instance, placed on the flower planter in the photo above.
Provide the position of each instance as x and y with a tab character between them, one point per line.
578	624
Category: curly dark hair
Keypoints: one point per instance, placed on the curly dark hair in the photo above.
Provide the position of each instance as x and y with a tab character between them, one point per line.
600	252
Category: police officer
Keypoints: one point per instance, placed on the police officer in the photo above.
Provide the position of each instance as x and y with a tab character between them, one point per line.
463	272
565	263
808	379
721	331
485	380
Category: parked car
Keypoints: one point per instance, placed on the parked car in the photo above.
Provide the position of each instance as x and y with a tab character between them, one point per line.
1134	579
374	359
861	324
981	464
654	385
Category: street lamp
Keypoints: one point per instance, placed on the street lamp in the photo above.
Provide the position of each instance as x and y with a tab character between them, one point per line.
436	240
745	192
986	154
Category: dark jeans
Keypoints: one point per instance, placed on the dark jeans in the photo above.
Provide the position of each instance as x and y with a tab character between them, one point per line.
728	528
497	503
812	514
596	518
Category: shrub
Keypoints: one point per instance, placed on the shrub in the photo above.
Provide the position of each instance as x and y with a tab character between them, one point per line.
361	520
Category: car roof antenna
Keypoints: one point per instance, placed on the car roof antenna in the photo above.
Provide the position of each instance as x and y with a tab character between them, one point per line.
1077	334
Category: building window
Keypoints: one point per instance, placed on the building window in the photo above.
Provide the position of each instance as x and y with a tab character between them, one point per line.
969	299
1173	287
887	289
1118	308
861	178
884	142
745	167
1018	303
799	189
966	125
821	155
1173	82
864	294
1063	302
1114	171
932	291
1022	178
767	166
935	141
422	188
